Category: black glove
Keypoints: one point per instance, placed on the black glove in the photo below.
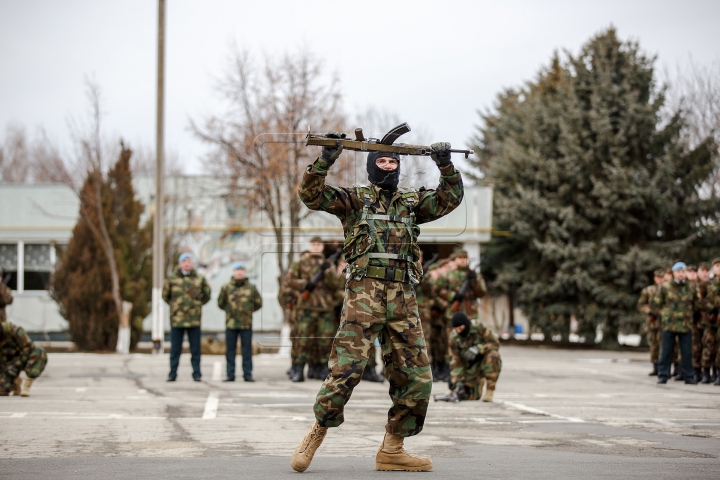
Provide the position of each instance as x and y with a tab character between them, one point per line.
472	276
471	353
310	286
330	154
12	371
460	392
440	153
436	311
325	265
457	298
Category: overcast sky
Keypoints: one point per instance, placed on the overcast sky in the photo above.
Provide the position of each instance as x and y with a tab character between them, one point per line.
435	64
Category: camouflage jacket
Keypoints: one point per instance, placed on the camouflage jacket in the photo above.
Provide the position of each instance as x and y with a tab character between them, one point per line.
366	236
448	285
676	304
481	337
13	343
323	297
644	304
239	299
712	301
186	294
6	299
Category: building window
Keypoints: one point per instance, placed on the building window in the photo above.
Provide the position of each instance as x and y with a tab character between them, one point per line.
9	264
38	266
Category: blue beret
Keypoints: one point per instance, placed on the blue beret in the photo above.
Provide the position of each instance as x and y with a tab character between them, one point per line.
184	256
239	266
679	266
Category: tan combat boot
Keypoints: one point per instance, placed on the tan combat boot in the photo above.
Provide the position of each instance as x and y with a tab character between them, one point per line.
488	397
26	387
303	454
392	456
17	386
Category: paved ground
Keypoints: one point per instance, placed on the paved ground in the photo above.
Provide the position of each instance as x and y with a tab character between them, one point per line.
557	414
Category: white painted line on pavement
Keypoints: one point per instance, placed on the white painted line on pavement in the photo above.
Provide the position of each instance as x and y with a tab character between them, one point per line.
217	371
211	405
18	414
81	389
537	411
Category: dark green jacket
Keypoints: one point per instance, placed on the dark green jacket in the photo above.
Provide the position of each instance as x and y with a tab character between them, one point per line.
186	294
239	299
6	298
14	342
479	336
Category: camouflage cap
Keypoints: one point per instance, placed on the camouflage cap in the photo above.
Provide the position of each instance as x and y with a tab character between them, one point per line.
714	261
659	272
692	267
703	266
316	239
459	253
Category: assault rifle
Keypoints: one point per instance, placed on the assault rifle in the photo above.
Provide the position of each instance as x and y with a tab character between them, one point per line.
430	262
386	144
453	397
320	274
460	295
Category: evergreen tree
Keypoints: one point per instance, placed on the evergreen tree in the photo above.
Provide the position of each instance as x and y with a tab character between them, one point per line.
595	187
82	284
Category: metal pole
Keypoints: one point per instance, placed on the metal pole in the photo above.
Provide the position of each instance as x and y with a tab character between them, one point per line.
158	327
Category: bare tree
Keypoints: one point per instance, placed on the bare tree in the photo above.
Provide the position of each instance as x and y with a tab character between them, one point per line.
258	142
14	155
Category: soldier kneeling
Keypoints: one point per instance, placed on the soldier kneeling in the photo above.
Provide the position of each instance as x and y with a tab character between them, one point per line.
474	359
18	353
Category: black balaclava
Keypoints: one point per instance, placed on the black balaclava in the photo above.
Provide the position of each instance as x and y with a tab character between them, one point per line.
460	318
378	176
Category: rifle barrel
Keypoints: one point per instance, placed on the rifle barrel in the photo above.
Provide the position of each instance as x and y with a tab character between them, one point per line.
372	146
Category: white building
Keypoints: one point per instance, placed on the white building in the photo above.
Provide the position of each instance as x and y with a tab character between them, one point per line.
203	219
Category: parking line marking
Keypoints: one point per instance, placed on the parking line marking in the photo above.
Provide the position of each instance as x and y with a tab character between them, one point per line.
211	406
217	371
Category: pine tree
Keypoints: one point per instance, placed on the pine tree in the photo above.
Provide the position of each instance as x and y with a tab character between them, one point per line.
596	188
81	284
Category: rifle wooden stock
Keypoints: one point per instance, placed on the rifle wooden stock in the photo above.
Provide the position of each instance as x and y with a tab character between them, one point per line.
374	146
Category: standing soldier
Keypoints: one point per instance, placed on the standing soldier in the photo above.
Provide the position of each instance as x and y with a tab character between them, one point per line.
697	324
315	310
460	287
713	301
239	298
186	291
381	225
676	301
438	346
709	330
6	297
17	354
654	332
289	299
474	350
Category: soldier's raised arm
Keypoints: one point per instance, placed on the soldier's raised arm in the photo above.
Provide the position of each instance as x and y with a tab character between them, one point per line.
433	204
315	193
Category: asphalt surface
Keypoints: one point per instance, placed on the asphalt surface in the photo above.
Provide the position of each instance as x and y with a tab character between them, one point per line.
557	414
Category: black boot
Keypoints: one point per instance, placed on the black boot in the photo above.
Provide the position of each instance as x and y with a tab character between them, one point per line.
713	374
698	375
654	370
680	376
434	369
297	375
312	370
371	375
717	380
675	370
705	376
444	371
322	371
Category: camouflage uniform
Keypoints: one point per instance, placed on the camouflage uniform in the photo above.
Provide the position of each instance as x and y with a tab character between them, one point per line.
288	299
186	294
654	332
711	340
450	283
381	230
315	315
239	299
676	302
6	299
18	353
470	374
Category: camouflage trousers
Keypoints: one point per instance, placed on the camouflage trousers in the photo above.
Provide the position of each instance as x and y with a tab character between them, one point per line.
379	308
709	350
654	337
294	343
697	344
33	363
486	369
438	344
315	334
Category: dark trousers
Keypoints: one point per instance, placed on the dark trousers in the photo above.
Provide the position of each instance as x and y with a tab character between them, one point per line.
231	336
176	340
666	351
